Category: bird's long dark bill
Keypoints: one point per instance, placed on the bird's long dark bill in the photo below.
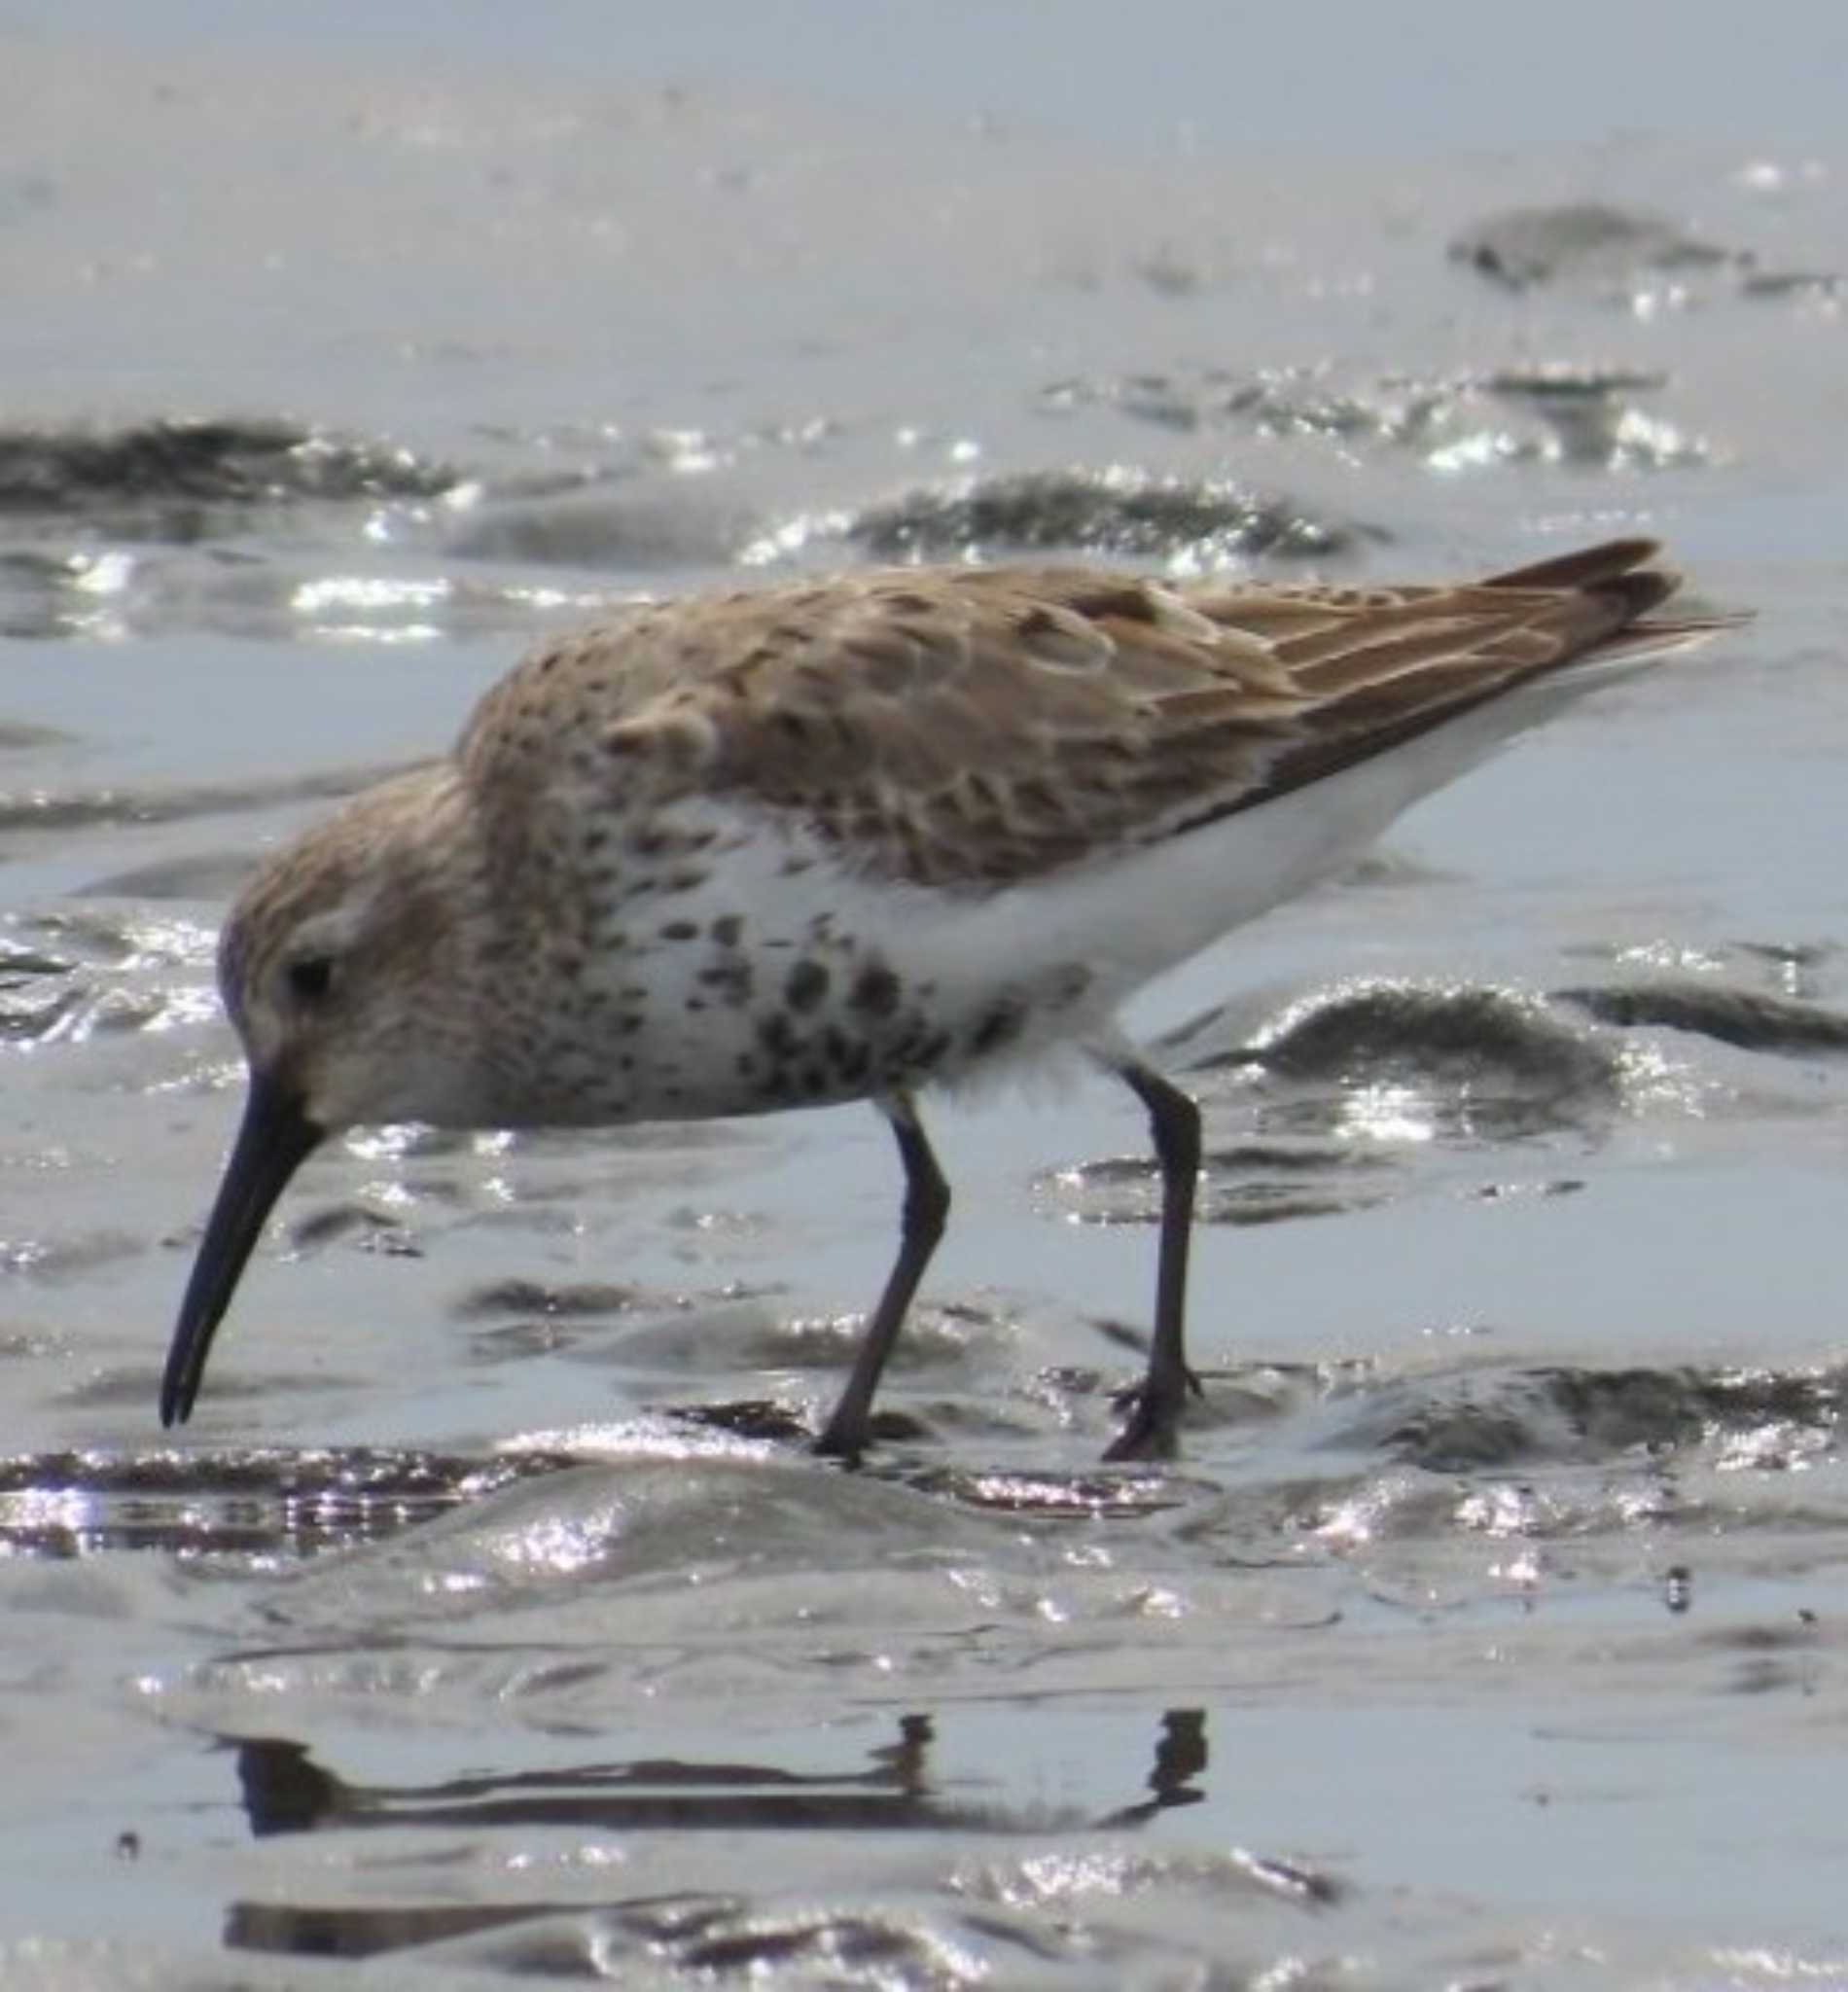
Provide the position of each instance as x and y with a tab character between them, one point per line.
275	1136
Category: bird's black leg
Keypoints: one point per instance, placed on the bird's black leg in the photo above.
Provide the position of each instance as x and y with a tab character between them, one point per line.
926	1208
1154	1411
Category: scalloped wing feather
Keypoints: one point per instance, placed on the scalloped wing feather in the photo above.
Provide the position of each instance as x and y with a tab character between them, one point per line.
969	727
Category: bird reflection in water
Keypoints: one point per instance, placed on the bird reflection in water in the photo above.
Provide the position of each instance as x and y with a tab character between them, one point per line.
286	1790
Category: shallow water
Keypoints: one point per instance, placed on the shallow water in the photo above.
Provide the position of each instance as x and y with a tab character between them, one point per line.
489	1622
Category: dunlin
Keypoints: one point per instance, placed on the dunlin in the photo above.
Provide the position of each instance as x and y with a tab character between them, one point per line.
842	839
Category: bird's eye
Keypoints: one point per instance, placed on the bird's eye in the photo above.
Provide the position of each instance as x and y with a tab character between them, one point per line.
310	978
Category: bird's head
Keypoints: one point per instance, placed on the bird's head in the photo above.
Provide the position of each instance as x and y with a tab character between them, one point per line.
339	967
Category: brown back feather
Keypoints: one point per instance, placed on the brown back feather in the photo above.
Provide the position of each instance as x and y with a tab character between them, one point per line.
978	726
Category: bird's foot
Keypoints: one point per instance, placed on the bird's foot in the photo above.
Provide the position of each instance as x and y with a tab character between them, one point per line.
1151	1430
838	1442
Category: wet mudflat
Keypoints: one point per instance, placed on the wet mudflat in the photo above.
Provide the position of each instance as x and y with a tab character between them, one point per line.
489	1623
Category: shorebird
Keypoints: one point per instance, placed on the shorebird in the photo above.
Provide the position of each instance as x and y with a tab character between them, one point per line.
842	840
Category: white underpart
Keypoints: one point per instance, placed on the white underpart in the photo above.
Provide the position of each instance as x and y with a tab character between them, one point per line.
1128	917
1115	921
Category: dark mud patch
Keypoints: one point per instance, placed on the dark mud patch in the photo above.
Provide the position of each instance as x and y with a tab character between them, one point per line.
1621	253
252	1503
1122	513
1503	1420
496	1299
1488	1064
1745	1018
1802	286
169	480
1586	241
1550	412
